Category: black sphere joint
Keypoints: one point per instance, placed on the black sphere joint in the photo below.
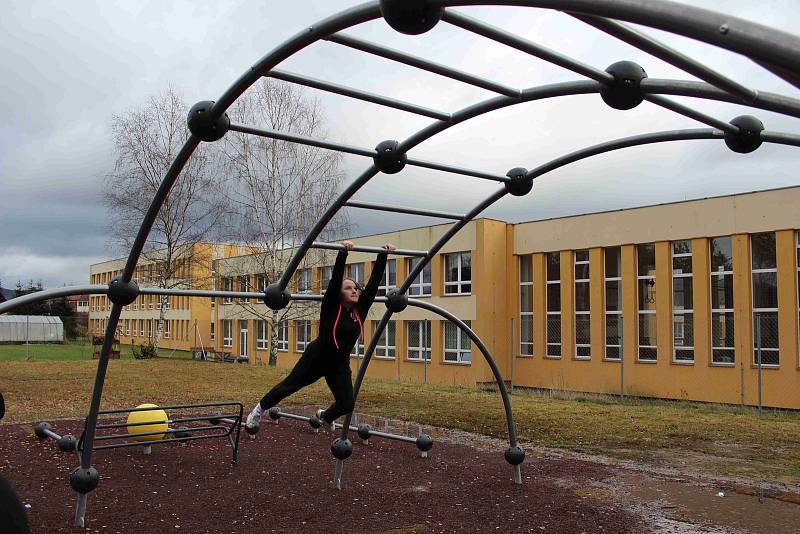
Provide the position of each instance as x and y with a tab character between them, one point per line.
40	428
363	431
67	443
388	158
396	301
411	17
424	442
515	455
252	430
84	480
749	136
204	124
314	422
274	413
520	184
625	91
276	298
341	448
122	293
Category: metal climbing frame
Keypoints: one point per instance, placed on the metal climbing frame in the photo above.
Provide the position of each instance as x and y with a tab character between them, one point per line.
622	85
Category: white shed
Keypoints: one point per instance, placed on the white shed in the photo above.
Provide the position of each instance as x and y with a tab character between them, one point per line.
31	328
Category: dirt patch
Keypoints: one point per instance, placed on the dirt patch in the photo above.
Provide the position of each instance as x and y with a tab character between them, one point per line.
282	484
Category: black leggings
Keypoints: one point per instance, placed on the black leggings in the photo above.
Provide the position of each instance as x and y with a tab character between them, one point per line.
307	371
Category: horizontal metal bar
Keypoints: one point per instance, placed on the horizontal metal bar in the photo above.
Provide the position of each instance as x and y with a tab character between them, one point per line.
524	45
457	170
358	94
38	296
780	138
295	416
424	64
399	209
670	55
377	250
52	434
173	407
765	100
159	432
157	441
691	113
303	140
201	293
392	436
168	421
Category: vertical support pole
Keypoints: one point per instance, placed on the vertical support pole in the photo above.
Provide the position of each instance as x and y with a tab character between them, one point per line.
424	351
621	357
80	510
758	357
517	475
337	476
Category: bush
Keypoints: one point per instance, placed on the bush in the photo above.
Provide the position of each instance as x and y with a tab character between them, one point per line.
145	351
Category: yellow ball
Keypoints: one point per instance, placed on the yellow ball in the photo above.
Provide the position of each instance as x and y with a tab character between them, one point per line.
157	417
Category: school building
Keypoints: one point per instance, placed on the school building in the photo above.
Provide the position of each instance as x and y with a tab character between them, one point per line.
690	300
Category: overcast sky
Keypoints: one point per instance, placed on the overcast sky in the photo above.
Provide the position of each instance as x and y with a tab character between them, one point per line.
67	67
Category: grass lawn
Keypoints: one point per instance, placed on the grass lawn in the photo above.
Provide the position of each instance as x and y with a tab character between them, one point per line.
691	437
73	350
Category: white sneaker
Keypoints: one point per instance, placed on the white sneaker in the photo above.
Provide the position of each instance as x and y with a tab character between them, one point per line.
329	426
254	418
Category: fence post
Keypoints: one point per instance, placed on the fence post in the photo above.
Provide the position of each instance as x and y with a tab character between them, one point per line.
758	356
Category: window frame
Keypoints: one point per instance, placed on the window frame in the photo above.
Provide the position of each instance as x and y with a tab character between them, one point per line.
756	311
262	334
227	285
459	350
301	345
552	313
525	345
459	283
282	339
424	350
682	312
639	311
386	283
383	348
304	286
588	311
227	333
419	288
720	311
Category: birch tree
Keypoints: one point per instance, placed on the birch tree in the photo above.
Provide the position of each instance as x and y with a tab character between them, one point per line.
276	191
146	141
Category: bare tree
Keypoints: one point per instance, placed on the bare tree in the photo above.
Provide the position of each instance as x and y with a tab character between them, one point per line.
276	191
146	141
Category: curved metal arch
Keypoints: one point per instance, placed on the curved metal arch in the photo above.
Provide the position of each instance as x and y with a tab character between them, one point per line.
752	40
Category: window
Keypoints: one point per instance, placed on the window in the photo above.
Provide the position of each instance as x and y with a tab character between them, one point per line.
303	332
765	298
127	327
457	345
166	329
304	281
682	308
356	272
386	343
244	286
613	299
262	334
583	331
227	333
722	322
227	285
421	286
389	280
261	283
325	276
213	336
553	277
458	273
526	305
149	328
646	292
283	336
358	349
419	340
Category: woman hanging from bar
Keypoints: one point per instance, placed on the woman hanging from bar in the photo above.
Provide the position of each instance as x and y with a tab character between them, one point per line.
341	324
